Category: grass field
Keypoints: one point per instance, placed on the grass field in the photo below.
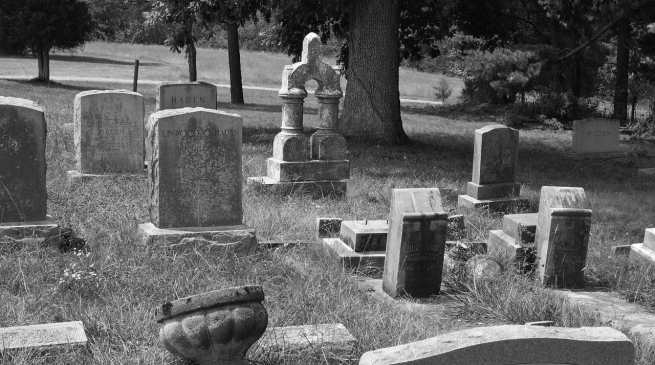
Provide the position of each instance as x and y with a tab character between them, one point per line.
120	282
116	60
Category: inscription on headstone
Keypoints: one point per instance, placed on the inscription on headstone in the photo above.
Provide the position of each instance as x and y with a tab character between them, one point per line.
195	168
22	161
416	243
109	131
43	335
175	95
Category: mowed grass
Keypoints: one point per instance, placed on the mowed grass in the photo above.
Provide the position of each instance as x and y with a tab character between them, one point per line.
302	284
116	60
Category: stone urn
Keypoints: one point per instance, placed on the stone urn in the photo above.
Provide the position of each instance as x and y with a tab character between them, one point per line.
216	327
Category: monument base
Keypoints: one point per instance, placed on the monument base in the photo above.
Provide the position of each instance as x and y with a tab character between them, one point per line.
591	155
648	173
47	229
238	239
641	254
503	245
76	176
313	170
465	202
354	260
318	189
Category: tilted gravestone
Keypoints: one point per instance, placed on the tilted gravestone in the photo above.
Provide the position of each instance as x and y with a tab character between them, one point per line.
176	95
512	345
494	163
196	179
415	244
108	133
317	164
23	195
562	236
596	137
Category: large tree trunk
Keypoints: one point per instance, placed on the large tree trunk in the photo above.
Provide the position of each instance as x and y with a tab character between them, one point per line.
39	57
234	58
622	68
191	55
372	101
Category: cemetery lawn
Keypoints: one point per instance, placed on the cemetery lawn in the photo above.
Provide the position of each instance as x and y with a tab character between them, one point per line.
115	289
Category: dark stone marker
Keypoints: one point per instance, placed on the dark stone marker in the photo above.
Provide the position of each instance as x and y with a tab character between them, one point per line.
416	243
23	193
562	236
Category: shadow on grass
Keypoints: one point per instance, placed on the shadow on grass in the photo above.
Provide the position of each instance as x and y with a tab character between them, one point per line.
88	59
53	85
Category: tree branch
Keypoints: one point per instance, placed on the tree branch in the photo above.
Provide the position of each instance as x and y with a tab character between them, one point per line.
587	43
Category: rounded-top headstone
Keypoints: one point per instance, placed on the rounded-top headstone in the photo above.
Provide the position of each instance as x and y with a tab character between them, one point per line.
494	154
23	131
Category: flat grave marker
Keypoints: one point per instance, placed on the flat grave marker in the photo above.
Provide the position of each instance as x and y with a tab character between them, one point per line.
43	335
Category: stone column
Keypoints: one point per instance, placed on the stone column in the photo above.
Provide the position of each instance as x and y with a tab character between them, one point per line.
291	144
326	143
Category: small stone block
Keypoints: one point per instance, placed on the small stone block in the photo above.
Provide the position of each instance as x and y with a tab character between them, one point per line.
47	229
466	203
328	227
642	254
649	238
318	189
351	259
521	227
61	334
456	228
332	339
503	245
365	235
74	176
490	191
237	239
314	170
623	250
541	323
647	173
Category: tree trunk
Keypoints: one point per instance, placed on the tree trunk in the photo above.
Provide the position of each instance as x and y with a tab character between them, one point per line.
191	55
622	68
39	57
372	101
234	58
43	58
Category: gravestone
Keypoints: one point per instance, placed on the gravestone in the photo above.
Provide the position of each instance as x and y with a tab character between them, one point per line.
108	134
23	195
644	253
596	137
176	95
415	244
61	334
512	345
196	180
316	164
515	241
494	163
562	236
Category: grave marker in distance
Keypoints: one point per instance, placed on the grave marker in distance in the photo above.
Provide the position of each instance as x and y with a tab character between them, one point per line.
176	95
596	137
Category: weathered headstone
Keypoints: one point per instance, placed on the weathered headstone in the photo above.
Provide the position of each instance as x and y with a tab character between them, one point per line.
562	236
23	196
416	243
196	179
331	339
317	164
596	137
494	162
644	253
512	345
176	95
515	241
43	335
109	133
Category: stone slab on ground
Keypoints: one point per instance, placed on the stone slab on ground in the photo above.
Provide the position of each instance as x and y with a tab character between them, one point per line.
330	339
43	335
351	259
47	229
328	227
74	176
238	239
622	250
317	189
465	202
512	345
647	173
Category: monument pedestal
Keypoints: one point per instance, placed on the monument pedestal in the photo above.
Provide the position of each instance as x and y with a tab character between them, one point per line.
75	176
516	240
317	189
239	239
47	229
351	259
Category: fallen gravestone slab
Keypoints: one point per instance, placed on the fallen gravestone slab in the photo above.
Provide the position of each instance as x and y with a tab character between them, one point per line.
331	338
43	335
512	345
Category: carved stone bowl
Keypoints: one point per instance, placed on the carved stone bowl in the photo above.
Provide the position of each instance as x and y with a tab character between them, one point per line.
216	327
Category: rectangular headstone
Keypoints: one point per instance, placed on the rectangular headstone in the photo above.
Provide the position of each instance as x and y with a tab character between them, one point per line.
415	244
195	168
562	235
494	154
22	161
109	132
596	135
175	95
43	335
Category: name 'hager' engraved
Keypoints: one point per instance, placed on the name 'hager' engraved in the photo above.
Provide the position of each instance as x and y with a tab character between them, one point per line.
599	134
207	132
187	99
